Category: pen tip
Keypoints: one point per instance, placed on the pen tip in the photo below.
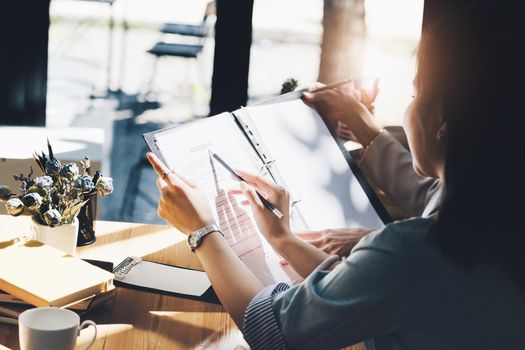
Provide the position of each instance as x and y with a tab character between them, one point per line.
210	153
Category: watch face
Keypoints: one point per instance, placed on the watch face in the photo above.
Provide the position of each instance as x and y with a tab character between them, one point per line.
193	240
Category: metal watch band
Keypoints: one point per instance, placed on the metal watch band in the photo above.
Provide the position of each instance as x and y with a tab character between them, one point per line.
196	237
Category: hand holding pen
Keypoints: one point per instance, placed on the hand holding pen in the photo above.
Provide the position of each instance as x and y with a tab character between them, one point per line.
273	228
263	200
259	191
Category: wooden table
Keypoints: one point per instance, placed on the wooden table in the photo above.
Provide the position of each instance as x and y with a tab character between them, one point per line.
137	319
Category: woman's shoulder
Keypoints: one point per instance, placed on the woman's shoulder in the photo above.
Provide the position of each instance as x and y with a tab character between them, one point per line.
400	237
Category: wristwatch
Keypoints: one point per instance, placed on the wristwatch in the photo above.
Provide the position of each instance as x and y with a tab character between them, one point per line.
196	237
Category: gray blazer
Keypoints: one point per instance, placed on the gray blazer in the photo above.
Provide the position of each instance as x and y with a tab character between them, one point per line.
389	165
396	290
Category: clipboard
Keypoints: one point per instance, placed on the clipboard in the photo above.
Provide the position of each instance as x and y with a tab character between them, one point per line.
280	113
149	276
290	143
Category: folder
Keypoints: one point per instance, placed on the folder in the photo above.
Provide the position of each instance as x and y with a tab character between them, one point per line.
135	273
289	143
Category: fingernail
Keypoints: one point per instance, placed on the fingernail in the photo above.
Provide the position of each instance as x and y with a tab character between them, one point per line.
307	94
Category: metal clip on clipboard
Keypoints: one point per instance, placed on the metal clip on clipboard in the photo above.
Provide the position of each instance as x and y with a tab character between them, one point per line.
122	269
268	162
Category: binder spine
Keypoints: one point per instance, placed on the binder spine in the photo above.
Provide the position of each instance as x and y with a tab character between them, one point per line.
258	147
268	163
122	269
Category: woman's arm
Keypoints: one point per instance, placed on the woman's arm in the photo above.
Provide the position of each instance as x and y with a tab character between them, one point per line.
339	241
364	296
301	255
185	207
348	109
385	161
389	165
233	283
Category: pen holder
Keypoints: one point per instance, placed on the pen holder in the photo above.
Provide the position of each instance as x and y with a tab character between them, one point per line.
86	222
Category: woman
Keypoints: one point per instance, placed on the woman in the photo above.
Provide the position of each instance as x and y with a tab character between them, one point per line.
453	280
384	161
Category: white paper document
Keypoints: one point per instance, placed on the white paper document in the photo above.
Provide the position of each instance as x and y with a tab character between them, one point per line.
167	278
185	150
312	166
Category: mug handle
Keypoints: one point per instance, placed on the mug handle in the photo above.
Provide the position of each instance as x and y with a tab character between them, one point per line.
86	324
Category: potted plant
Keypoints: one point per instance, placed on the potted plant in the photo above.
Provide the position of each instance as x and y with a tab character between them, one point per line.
55	198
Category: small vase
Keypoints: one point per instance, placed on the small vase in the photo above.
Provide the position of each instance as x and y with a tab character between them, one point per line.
86	222
63	237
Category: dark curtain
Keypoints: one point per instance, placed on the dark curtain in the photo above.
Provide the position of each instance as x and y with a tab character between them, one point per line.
23	62
233	39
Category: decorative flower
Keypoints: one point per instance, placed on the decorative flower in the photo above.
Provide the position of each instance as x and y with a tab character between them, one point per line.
57	196
84	184
53	166
52	217
5	193
104	185
44	182
32	201
69	170
289	85
14	206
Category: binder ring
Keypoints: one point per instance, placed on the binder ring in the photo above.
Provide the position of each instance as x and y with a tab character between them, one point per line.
295	202
267	165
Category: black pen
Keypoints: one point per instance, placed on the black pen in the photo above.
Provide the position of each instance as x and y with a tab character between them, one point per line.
267	204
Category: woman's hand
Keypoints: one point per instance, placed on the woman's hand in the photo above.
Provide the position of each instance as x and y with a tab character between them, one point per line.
303	257
182	204
273	228
366	96
350	117
335	241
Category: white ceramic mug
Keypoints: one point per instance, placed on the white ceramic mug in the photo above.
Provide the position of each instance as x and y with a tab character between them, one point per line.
47	328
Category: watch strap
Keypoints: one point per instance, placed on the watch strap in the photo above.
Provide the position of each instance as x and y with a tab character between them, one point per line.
196	237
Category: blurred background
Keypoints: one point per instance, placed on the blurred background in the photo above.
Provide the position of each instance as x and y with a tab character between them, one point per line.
95	75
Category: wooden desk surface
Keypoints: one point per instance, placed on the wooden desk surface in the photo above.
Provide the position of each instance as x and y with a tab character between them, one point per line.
137	319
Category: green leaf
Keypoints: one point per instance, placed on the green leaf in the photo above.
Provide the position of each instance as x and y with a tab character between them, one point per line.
72	211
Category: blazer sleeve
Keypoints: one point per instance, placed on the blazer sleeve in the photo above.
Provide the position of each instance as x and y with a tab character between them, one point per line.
363	297
389	165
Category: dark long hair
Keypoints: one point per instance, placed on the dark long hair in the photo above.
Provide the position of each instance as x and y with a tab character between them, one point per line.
472	62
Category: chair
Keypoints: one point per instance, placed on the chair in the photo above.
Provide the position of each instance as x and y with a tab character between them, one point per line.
184	50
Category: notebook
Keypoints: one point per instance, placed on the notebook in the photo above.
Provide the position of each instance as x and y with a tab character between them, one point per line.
44	276
287	142
133	272
12	307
